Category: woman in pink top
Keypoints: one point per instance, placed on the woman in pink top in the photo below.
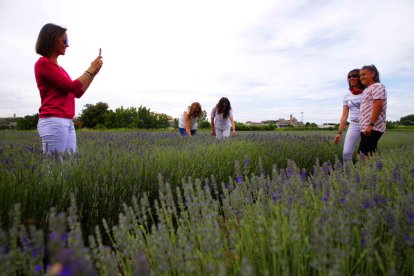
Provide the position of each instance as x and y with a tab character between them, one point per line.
58	91
373	110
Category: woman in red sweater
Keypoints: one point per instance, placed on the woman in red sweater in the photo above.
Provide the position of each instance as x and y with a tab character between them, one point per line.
58	90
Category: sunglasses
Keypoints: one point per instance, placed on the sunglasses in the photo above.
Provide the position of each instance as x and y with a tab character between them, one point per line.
353	76
66	42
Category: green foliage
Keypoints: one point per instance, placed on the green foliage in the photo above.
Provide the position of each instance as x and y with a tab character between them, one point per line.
204	121
245	127
204	125
99	117
28	122
407	120
93	115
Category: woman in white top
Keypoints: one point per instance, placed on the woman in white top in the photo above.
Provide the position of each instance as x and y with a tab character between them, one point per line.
351	105
188	121
222	120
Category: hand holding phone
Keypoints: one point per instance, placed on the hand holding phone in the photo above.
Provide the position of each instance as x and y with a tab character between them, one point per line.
100	52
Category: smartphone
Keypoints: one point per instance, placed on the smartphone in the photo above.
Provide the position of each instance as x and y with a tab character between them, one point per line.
100	52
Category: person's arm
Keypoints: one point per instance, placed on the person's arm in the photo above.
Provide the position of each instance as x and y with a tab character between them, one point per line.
187	123
50	72
87	77
233	126
378	104
213	130
342	123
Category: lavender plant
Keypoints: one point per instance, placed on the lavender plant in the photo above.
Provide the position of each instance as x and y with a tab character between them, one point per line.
289	217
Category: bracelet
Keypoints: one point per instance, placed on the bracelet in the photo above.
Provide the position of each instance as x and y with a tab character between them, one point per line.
90	75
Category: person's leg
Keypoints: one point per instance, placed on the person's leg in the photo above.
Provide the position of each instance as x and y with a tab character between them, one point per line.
368	144
193	132
376	135
226	133
71	142
182	131
352	137
53	134
219	134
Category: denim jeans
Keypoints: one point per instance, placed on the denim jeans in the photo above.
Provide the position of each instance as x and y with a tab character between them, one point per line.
57	134
184	133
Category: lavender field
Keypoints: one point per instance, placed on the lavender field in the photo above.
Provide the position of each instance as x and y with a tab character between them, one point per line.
138	203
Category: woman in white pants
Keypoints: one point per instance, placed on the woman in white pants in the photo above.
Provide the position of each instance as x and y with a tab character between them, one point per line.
351	105
222	120
58	91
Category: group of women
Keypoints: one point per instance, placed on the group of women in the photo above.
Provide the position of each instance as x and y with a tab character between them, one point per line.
364	104
222	122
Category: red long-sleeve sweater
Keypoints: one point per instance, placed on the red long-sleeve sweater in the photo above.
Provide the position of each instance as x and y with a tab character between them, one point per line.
57	90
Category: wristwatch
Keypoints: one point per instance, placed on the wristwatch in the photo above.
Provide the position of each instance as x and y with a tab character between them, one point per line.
371	124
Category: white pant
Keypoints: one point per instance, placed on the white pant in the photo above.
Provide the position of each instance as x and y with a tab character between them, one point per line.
57	134
222	133
353	135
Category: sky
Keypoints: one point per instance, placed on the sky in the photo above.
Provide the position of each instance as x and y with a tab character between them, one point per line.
272	59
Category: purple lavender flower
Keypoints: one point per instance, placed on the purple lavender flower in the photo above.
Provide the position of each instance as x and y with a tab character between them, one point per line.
363	242
289	171
379	165
274	198
410	217
38	268
390	221
239	179
367	204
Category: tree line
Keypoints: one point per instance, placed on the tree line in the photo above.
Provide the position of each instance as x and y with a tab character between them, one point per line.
99	116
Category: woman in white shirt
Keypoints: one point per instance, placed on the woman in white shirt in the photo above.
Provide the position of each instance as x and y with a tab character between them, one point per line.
188	121
351	106
222	120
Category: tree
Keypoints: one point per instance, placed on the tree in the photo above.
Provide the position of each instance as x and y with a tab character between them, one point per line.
94	115
28	122
204	122
407	120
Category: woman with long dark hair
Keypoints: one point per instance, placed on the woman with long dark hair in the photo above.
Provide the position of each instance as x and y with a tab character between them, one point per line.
222	121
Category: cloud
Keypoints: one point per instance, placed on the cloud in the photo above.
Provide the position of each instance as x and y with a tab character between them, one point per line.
271	59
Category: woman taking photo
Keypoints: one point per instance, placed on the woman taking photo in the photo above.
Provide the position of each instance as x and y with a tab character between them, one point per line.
350	109
58	91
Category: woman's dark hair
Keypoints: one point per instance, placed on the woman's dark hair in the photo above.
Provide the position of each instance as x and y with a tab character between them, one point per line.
224	107
355	71
374	69
47	38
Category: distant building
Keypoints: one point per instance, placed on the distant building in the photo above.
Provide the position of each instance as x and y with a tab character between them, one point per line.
8	122
281	122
